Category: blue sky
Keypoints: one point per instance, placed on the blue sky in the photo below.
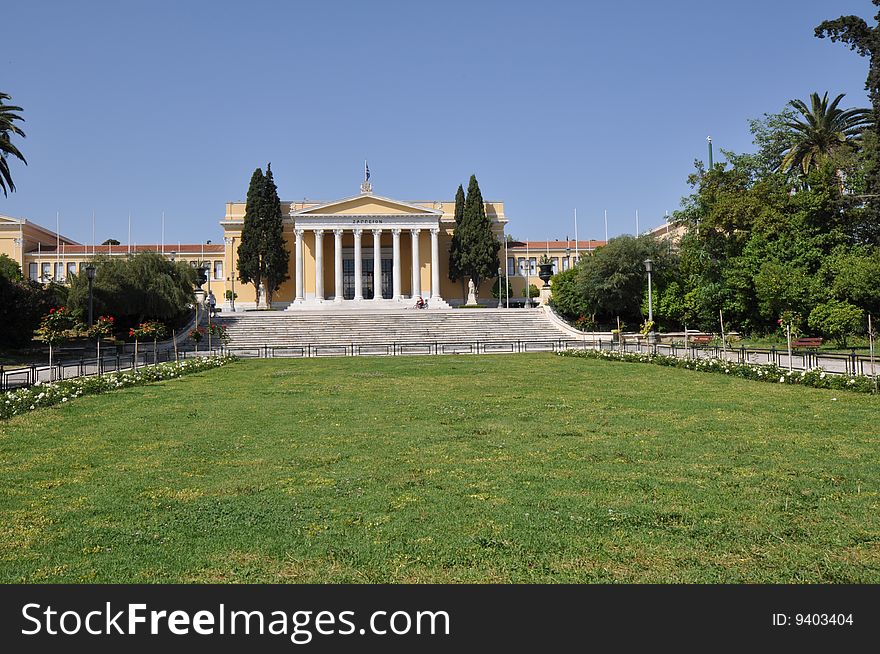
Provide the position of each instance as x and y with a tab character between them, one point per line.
148	106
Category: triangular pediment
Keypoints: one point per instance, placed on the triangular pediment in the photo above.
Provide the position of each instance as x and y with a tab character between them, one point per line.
367	205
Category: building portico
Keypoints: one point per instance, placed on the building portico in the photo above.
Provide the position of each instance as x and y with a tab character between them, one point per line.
365	251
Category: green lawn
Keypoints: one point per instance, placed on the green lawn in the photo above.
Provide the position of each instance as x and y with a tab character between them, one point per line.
522	468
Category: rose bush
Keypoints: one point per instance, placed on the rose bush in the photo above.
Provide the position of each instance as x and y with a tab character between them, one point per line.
20	401
815	378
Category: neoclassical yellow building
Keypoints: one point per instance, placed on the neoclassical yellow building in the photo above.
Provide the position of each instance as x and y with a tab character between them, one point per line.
359	250
365	251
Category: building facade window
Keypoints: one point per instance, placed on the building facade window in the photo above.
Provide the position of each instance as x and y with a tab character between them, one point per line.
33	272
218	270
565	263
533	266
46	272
511	266
71	268
59	272
555	265
522	267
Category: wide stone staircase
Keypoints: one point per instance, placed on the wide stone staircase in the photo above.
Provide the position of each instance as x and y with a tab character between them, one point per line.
362	330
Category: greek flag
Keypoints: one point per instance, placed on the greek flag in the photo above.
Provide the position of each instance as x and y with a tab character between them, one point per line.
366	171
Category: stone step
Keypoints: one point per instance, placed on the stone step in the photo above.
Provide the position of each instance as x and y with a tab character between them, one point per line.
375	327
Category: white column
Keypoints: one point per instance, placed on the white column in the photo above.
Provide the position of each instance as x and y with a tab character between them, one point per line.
416	272
319	265
358	267
377	264
299	266
395	275
337	265
435	263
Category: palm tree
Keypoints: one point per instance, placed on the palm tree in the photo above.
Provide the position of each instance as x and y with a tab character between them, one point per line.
7	128
824	129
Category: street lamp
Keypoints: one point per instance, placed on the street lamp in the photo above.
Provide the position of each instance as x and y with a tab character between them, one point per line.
231	242
649	268
90	275
500	302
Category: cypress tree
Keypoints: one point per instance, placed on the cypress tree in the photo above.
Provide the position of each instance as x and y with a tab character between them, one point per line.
479	245
251	268
455	272
276	256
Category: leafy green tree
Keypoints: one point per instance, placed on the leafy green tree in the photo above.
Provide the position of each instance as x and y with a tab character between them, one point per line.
865	40
566	299
137	289
853	276
478	243
8	128
251	264
824	129
23	303
612	281
837	320
9	268
276	256
455	271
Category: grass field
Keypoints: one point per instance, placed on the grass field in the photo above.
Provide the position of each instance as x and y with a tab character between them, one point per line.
523	468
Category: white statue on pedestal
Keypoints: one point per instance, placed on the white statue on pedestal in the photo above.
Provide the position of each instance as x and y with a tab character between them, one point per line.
261	296
472	292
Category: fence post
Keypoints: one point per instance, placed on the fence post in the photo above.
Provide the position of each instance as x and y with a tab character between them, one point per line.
853	355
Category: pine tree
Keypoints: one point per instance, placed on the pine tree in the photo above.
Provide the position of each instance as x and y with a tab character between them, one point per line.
479	245
251	268
455	246
276	256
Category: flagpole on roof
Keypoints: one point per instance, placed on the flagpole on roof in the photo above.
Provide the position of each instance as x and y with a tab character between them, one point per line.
577	253
57	241
606	226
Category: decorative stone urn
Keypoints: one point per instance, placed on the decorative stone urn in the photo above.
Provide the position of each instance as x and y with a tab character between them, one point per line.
545	272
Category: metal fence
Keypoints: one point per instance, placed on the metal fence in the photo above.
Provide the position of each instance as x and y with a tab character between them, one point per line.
22	377
841	364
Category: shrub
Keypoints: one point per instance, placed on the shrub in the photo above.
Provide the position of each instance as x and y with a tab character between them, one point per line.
497	285
836	320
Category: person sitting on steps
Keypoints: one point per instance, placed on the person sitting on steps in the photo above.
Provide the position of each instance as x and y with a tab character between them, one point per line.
421	304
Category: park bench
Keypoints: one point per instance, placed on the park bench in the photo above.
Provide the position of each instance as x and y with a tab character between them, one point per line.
807	342
700	340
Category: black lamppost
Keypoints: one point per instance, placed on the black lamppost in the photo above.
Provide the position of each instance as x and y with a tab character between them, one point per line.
90	275
649	268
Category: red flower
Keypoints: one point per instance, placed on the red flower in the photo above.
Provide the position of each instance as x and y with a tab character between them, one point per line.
52	310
